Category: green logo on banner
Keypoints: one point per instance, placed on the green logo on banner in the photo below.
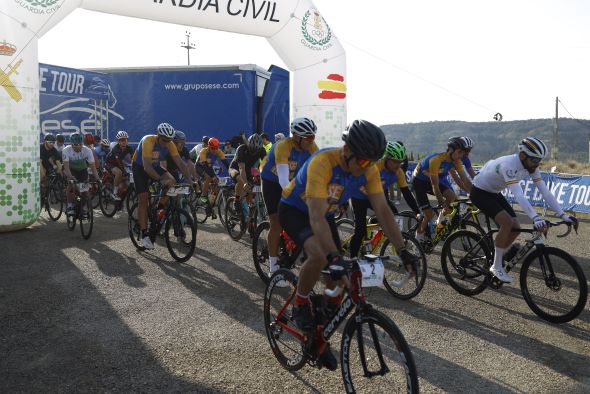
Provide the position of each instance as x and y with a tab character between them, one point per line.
315	30
40	6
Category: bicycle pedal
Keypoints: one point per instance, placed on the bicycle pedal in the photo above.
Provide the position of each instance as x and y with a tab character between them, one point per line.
496	283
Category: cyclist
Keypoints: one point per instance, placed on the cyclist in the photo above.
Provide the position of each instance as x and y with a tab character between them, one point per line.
466	165
103	150
50	157
207	157
78	162
307	208
266	142
180	142
430	177
198	148
390	172
240	170
119	158
278	168
507	172
60	142
147	165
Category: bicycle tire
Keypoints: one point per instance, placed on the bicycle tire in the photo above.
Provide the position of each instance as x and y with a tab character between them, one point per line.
52	202
181	222
260	251
95	195
345	234
108	205
234	224
396	351
287	348
221	208
470	269
530	281
133	227
86	221
71	219
410	223
131	197
394	279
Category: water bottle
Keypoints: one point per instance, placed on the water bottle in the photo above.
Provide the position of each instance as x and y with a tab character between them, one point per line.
440	226
431	227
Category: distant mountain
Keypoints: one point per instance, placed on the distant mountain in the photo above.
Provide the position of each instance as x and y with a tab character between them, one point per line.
493	139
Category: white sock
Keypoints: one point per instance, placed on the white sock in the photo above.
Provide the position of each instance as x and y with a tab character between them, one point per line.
498	254
116	190
273	263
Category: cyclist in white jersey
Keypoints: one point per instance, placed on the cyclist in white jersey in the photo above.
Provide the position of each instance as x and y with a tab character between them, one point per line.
507	172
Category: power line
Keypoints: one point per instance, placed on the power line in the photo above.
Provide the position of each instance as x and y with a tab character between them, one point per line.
573	117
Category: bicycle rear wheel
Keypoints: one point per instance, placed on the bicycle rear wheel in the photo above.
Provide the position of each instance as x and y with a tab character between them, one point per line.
54	203
234	222
133	227
280	328
86	217
131	197
108	205
465	259
397	280
180	235
375	356
260	251
553	285
345	228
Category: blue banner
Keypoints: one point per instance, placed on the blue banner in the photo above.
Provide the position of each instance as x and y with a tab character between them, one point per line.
571	191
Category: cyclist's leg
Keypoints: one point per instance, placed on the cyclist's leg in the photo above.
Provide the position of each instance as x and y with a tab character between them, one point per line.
209	175
141	179
118	175
421	191
449	196
271	193
359	207
43	175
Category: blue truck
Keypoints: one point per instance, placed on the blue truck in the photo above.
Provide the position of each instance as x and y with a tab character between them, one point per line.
219	101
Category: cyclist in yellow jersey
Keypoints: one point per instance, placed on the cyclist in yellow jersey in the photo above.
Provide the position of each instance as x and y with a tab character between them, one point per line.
309	202
151	151
207	157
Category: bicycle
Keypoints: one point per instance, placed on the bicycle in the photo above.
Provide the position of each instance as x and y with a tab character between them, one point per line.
237	223
83	211
53	196
220	192
397	278
180	231
372	346
108	205
548	275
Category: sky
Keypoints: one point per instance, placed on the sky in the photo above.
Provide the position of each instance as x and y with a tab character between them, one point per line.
407	61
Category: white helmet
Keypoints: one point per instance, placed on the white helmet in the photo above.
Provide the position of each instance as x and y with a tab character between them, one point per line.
105	142
533	147
255	142
165	130
468	142
303	127
121	134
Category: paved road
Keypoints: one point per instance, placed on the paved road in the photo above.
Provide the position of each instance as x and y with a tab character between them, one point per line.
82	316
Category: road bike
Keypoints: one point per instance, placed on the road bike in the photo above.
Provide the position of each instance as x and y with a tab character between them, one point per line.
176	223
109	205
374	355
551	281
83	211
249	217
220	191
53	195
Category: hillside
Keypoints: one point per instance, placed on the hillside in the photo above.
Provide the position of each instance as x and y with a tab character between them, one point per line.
493	139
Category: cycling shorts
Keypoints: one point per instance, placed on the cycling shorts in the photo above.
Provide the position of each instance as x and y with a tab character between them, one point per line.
203	169
81	175
423	188
142	179
271	193
296	223
490	204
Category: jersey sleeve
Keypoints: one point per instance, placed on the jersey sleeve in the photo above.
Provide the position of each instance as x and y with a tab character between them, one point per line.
319	173
434	166
220	154
282	152
373	185
203	155
172	149
459	166
401	178
147	150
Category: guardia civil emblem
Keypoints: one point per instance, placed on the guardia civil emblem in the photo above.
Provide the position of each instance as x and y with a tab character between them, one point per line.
315	30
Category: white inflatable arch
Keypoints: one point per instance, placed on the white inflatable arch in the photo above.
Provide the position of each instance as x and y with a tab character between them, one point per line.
294	28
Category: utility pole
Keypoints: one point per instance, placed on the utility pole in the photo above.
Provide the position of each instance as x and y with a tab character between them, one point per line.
555	149
188	46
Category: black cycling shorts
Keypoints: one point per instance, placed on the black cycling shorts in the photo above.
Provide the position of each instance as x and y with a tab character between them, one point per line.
422	189
81	175
296	223
142	179
271	193
490	204
203	169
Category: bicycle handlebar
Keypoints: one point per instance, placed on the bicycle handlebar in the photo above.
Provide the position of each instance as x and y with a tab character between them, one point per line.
336	291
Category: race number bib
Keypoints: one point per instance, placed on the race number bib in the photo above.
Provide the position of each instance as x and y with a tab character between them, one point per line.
372	270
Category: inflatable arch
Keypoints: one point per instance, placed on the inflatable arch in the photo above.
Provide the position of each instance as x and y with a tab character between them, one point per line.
294	28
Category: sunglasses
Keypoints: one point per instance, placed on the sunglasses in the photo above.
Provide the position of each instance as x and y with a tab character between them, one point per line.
50	142
124	139
363	163
76	144
534	160
309	138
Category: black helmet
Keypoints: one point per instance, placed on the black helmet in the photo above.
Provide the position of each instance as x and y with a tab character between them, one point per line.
60	138
205	139
365	140
457	143
49	138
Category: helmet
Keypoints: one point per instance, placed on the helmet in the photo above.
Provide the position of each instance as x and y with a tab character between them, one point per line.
76	138
366	140
165	130
49	138
457	143
303	127
205	139
533	147
60	138
468	142
395	151
279	136
105	142
179	136
213	143
88	139
254	142
122	134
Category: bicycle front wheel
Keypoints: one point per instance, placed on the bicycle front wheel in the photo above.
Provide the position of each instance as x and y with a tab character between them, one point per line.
553	285
375	356
134	228
108	205
397	280
86	217
280	328
234	221
465	259
180	235
54	203
131	197
260	251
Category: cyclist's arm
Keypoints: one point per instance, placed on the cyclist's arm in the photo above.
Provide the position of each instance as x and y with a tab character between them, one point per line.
386	220
516	190
410	200
467	185
91	163
180	164
67	169
283	174
319	224
549	198
435	189
243	174
471	172
457	179
281	152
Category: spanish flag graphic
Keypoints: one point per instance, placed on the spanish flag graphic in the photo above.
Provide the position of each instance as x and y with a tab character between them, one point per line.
332	88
